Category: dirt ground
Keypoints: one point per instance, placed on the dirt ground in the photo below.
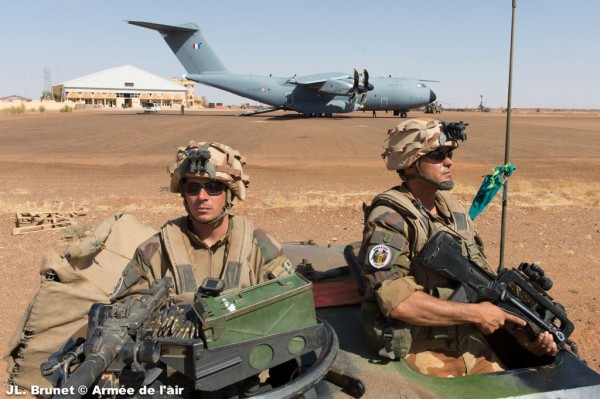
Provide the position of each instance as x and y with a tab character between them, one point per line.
309	178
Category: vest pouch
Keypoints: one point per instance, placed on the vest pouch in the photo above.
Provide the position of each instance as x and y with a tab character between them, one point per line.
375	325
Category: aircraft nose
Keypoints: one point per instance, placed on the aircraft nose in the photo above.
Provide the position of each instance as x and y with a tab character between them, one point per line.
432	96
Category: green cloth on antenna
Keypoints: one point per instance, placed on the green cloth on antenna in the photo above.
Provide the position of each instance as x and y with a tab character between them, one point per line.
489	187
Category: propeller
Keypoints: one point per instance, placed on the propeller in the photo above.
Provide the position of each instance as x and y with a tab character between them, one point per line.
358	88
355	86
366	85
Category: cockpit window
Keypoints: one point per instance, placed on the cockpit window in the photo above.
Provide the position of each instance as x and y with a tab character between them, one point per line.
421	85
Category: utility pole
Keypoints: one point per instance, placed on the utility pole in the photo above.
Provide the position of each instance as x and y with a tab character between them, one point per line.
507	139
47	93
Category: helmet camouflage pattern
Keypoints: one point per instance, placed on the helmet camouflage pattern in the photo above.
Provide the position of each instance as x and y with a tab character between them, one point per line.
413	138
211	160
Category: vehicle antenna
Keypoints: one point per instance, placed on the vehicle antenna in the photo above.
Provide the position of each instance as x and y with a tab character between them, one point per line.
507	140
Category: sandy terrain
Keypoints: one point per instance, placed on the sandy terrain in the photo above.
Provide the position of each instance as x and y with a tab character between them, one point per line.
309	178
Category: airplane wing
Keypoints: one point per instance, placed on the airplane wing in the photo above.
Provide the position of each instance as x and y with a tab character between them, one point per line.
318	79
331	83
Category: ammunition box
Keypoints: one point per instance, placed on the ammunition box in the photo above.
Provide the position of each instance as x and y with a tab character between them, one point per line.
272	307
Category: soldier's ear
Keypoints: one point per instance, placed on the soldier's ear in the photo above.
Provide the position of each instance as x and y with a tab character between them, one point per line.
410	172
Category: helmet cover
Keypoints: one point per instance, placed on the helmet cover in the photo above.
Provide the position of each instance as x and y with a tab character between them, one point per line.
210	160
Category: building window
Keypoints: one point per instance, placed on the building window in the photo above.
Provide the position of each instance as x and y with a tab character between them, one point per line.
128	84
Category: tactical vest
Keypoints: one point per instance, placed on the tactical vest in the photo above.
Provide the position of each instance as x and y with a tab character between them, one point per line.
391	337
181	254
423	227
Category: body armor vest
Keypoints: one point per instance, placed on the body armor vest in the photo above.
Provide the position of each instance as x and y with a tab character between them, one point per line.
181	254
422	226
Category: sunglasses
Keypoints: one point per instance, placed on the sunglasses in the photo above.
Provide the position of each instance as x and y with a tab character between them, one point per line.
439	155
211	187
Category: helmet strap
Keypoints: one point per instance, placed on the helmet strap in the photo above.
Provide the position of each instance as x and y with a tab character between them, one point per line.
407	176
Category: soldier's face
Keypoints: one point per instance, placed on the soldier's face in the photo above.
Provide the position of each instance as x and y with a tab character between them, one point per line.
437	170
203	206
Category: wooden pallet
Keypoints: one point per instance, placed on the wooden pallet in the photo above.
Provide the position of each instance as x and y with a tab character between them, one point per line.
34	222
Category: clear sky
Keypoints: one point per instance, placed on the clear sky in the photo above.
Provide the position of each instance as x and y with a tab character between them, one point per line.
463	44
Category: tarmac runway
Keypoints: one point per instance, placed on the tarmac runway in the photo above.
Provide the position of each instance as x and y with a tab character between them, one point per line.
309	178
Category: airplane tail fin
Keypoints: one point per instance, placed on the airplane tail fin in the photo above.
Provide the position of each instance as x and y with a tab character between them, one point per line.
189	45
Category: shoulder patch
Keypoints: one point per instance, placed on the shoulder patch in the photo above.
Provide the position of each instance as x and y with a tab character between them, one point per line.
380	256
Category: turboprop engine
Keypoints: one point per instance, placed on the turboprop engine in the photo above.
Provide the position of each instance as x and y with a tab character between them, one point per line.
347	87
337	87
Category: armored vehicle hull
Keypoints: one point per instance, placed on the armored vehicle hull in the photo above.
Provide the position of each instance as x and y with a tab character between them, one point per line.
338	302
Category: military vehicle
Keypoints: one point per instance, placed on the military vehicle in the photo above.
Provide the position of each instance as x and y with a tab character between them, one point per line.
433	108
306	330
481	107
337	299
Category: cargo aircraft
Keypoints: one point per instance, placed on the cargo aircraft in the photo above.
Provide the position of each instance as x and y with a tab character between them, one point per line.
312	95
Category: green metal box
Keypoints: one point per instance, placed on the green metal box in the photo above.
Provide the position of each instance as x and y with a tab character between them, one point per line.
272	307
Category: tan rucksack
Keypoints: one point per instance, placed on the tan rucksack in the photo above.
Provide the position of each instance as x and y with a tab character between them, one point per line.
70	283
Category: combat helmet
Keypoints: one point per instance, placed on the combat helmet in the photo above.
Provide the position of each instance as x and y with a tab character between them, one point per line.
214	161
413	138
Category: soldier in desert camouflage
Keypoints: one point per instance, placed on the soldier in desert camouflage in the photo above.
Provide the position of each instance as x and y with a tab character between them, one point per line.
209	241
406	314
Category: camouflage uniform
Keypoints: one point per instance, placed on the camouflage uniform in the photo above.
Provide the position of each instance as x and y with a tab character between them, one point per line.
396	228
178	253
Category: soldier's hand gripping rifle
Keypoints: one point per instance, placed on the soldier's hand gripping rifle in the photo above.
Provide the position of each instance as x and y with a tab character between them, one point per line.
520	292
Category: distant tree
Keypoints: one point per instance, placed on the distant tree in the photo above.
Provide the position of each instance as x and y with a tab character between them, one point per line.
47	95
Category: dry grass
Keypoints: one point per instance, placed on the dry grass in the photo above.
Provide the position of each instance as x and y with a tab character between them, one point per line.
521	193
546	193
308	199
541	194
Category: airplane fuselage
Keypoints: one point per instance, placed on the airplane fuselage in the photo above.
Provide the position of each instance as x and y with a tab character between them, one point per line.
396	94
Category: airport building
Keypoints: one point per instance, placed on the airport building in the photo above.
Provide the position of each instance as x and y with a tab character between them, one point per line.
127	87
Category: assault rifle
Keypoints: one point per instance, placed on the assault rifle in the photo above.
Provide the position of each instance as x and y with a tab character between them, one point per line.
220	343
519	292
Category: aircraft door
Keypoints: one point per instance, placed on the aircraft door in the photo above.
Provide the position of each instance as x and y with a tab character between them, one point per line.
289	98
384	102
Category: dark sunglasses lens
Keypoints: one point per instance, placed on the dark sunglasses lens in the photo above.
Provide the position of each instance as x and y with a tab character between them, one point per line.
192	188
211	188
214	187
440	155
